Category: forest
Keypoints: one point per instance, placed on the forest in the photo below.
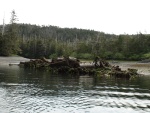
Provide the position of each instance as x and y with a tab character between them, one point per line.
33	41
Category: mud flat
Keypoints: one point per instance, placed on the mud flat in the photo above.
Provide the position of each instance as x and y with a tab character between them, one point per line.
12	60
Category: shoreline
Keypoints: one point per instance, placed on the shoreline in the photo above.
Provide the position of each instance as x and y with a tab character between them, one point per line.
12	60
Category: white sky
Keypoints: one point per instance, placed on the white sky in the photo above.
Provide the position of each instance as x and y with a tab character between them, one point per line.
109	16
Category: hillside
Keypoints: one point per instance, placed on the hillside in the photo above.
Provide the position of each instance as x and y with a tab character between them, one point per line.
52	41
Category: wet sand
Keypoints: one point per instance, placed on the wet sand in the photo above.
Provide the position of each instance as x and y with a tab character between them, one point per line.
12	60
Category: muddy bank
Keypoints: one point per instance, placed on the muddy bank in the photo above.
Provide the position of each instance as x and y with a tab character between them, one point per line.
12	60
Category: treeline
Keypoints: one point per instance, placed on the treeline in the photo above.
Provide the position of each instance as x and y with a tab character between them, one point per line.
52	41
34	41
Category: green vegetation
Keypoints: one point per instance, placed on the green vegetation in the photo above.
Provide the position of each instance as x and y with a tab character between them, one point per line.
34	41
9	41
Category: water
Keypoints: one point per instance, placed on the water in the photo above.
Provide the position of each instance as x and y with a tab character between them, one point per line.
31	91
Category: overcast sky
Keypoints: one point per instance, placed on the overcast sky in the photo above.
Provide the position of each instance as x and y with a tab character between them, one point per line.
109	16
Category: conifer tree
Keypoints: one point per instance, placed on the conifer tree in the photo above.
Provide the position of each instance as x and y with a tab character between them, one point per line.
10	40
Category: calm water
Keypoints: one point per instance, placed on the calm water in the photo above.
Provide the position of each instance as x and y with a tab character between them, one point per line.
30	91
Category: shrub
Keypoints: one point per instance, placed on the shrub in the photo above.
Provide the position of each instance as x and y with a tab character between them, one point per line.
135	57
108	55
85	56
119	56
146	56
53	56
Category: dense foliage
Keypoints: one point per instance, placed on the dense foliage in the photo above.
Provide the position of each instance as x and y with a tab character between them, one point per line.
9	40
34	41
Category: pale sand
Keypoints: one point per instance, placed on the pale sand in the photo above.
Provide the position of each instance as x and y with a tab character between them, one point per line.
12	60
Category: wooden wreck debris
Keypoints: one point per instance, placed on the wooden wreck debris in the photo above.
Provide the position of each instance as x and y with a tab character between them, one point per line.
100	63
72	63
118	73
37	63
55	63
72	66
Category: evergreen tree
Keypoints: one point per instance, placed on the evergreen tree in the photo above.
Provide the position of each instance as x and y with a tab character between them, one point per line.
10	41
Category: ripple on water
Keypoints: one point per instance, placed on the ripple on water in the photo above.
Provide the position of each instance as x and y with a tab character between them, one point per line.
77	97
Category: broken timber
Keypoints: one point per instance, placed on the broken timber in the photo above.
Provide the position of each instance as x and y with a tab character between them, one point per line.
72	66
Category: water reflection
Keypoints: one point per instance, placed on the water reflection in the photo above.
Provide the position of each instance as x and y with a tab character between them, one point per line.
25	90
